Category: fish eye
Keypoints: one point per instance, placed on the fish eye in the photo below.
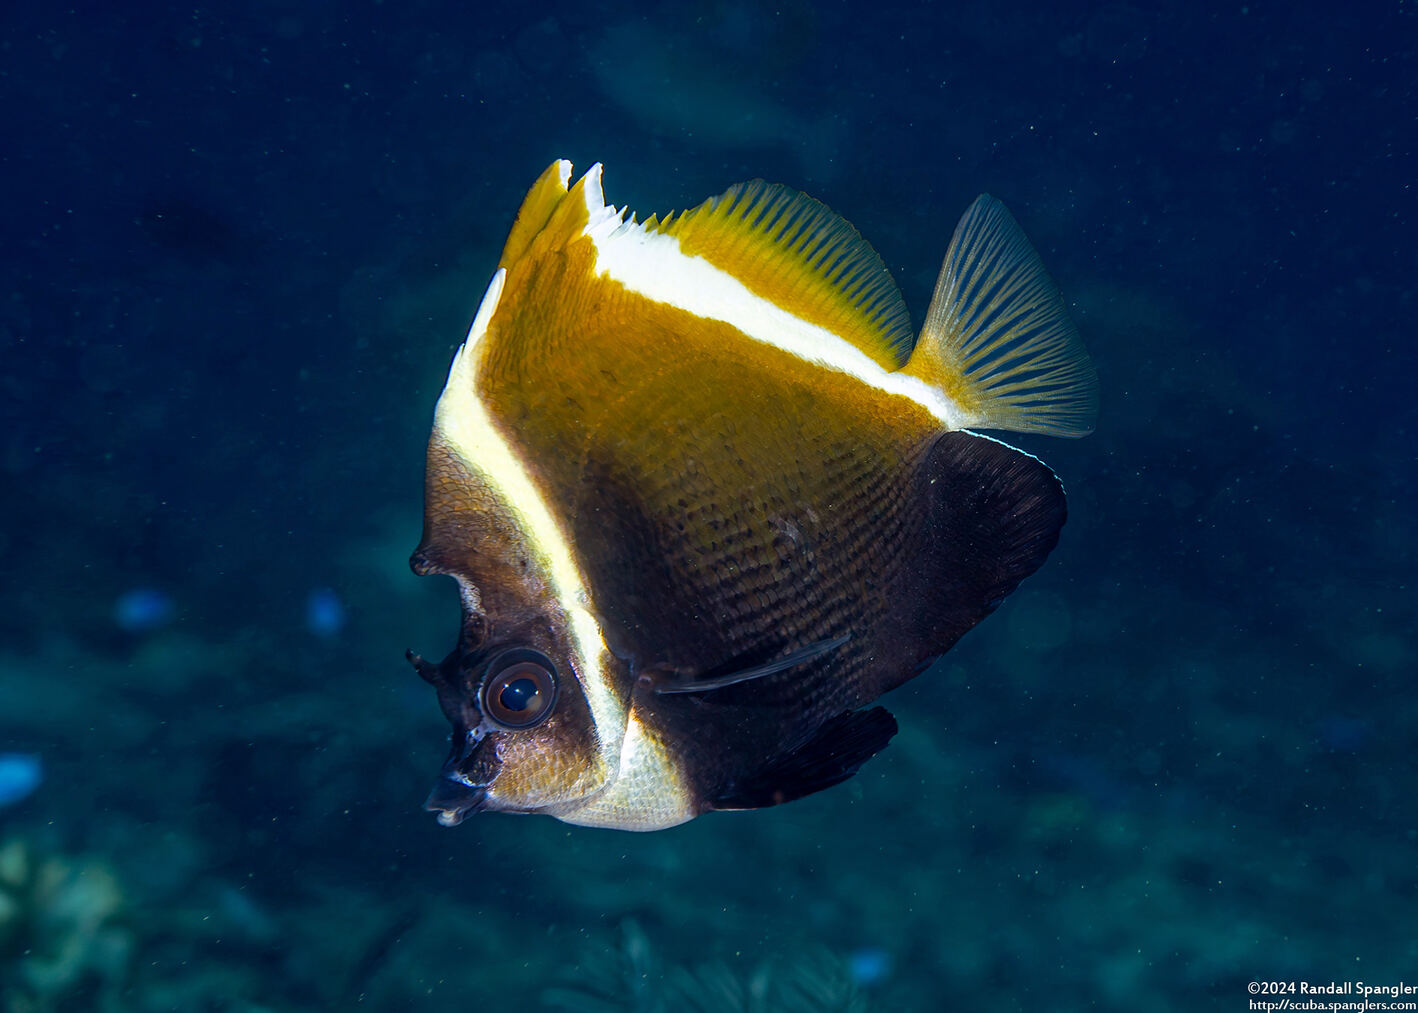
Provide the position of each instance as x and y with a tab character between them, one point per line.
519	689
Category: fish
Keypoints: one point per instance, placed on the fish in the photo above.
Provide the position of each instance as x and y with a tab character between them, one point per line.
706	496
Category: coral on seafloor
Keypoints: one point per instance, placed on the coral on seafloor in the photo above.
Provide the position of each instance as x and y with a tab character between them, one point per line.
63	942
635	980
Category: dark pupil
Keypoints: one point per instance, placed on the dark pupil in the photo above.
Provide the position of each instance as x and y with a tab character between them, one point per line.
518	694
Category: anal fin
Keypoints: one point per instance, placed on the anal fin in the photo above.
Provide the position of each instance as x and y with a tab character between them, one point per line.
830	755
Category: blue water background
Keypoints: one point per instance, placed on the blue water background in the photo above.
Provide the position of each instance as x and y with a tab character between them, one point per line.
240	244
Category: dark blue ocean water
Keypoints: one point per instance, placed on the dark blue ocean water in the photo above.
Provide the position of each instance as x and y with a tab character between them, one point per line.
240	243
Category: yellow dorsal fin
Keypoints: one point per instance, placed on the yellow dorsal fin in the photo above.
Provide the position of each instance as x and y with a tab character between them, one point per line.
795	252
542	199
997	338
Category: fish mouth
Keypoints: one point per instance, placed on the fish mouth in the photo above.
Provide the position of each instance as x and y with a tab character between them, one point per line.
453	799
455	794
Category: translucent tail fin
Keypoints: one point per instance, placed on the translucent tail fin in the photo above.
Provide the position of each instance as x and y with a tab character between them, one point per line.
997	338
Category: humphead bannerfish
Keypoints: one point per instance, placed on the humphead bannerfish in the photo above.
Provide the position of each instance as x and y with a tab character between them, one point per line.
706	497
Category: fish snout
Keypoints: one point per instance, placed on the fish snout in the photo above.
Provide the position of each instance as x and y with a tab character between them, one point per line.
453	799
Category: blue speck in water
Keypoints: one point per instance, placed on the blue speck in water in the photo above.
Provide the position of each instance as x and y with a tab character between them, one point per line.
324	612
143	609
20	775
869	965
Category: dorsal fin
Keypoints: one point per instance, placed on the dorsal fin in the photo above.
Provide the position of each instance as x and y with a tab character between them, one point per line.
795	252
542	199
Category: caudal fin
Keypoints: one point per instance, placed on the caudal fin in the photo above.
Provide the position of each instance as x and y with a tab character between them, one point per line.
997	338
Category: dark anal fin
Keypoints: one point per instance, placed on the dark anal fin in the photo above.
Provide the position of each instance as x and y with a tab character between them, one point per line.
829	756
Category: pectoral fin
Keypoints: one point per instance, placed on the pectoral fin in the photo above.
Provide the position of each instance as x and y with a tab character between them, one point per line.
693	683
